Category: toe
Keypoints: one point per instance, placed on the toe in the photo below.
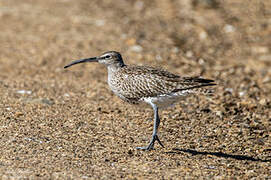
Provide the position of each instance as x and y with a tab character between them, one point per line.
149	147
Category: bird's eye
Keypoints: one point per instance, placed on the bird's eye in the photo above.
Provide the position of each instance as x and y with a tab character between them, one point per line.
107	57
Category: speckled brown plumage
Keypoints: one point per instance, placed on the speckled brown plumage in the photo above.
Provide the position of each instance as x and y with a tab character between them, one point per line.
133	83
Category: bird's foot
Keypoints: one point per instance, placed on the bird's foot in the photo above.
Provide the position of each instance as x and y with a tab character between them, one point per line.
151	144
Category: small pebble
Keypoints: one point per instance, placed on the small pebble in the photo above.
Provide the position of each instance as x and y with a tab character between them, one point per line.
219	114
229	90
242	93
189	54
229	28
136	48
24	92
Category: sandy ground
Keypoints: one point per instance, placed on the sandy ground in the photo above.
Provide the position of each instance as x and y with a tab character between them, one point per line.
67	124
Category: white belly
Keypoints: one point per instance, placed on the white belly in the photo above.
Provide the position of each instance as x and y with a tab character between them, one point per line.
164	101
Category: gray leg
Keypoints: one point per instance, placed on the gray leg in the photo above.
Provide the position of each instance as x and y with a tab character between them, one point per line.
155	129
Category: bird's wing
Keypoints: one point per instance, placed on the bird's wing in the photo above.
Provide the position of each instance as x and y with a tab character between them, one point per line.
142	81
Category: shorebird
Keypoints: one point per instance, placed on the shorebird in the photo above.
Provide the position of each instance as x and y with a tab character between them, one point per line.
147	85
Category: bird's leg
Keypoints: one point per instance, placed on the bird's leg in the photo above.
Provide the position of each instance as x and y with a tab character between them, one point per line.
155	129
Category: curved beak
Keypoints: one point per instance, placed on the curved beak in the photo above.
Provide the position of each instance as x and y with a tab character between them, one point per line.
93	59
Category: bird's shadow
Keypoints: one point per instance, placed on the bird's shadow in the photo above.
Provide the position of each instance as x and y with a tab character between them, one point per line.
217	154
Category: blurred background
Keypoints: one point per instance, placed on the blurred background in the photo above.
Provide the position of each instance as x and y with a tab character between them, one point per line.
58	123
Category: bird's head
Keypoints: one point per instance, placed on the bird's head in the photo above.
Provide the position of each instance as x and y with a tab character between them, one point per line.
107	58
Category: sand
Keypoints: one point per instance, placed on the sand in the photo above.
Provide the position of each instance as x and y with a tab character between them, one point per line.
67	124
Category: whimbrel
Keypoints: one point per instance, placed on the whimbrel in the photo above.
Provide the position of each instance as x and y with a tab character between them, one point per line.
142	84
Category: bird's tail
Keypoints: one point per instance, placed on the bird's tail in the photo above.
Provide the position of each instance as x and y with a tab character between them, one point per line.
197	85
202	85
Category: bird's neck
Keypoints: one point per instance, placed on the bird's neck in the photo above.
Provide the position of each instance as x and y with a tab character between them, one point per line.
115	67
